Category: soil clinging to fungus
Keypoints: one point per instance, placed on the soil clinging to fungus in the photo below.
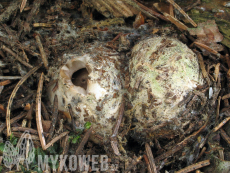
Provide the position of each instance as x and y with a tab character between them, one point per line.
88	83
162	72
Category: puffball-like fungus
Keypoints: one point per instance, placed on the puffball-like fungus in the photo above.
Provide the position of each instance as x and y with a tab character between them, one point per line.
162	72
91	84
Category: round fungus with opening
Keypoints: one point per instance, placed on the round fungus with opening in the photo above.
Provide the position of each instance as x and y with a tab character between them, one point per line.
89	83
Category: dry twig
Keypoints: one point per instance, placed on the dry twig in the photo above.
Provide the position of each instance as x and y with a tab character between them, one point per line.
55	139
202	66
39	121
121	112
221	124
5	16
10	77
23	4
151	158
13	120
133	163
181	145
218	109
147	11
114	146
194	166
45	112
54	117
13	43
38	112
34	9
217	71
43	54
201	45
64	152
84	140
47	25
193	5
201	154
16	56
186	100
20	102
147	162
30	130
182	12
227	96
115	131
176	22
5	82
225	136
19	135
13	95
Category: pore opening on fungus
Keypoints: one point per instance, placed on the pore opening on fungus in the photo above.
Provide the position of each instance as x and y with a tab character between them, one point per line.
79	78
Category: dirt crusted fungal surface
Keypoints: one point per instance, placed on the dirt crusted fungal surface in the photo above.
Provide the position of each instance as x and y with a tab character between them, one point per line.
162	72
91	84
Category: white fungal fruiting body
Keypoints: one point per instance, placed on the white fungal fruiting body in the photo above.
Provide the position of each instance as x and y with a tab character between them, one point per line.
99	103
162	72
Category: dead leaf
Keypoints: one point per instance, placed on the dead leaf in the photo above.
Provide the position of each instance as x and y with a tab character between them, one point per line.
155	30
139	20
208	33
46	125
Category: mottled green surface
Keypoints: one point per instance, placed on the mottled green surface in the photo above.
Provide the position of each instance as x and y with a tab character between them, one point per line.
169	70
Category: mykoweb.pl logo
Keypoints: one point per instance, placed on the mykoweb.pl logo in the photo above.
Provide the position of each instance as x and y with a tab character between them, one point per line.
24	154
80	162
